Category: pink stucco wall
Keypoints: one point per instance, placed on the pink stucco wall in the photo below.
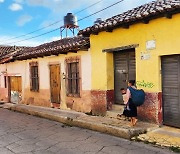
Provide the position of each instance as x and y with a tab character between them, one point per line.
4	94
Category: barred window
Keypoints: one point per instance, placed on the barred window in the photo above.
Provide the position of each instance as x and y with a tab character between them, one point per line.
73	79
34	77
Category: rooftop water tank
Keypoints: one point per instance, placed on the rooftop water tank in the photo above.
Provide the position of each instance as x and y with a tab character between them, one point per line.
98	21
70	20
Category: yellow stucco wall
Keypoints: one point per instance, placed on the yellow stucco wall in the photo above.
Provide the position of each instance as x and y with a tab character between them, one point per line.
164	31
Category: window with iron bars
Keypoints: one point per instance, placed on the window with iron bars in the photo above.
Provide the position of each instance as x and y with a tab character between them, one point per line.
73	79
34	77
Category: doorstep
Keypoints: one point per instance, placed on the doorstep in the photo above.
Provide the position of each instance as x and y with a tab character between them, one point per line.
116	109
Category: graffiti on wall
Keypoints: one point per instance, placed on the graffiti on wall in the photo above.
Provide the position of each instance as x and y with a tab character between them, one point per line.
145	84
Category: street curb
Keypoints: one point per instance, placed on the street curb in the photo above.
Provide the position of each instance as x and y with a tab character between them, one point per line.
112	130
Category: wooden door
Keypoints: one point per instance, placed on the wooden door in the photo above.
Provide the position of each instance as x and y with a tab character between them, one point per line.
124	70
55	83
15	89
171	90
16	83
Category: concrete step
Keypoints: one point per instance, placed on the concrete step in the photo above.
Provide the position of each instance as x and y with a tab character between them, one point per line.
113	114
116	107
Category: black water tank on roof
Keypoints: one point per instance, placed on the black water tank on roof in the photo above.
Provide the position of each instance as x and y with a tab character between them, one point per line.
98	21
70	20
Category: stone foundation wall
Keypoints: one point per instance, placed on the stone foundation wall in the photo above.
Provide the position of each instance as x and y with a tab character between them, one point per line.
41	98
110	99
80	104
101	101
151	110
98	102
4	94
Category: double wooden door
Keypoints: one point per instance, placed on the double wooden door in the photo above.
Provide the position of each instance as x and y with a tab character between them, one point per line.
124	70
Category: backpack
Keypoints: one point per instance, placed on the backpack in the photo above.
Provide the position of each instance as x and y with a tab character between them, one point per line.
137	96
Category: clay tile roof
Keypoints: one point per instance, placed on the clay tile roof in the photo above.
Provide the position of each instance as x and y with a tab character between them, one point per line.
6	49
144	12
6	52
62	46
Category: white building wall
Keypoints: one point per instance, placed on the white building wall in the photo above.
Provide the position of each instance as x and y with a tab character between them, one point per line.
21	68
86	71
2	71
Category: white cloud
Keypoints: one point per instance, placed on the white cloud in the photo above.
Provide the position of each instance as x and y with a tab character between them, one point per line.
59	9
18	1
15	7
64	6
1	1
24	19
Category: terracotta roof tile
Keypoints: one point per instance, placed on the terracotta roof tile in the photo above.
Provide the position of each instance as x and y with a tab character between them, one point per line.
8	51
147	11
62	46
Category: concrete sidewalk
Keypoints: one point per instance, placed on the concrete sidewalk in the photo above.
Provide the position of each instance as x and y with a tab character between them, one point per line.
111	126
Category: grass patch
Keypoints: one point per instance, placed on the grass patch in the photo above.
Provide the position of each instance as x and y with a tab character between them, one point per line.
175	149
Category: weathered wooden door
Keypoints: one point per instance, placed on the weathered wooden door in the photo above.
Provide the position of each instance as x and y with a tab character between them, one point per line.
171	90
124	70
55	84
16	83
15	89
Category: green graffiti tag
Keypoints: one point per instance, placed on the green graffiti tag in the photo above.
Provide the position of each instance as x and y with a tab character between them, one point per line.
145	84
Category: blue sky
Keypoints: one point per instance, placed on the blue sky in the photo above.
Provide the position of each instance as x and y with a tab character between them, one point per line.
19	17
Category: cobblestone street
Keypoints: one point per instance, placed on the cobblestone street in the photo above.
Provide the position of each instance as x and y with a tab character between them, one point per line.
21	133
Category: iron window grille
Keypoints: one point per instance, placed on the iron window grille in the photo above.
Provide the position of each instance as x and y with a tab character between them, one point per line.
34	77
73	78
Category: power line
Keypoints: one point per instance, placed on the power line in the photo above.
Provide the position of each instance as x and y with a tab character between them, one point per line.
88	7
35	36
101	10
54	23
78	21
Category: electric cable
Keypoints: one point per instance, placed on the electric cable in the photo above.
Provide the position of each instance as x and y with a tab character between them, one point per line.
54	23
78	21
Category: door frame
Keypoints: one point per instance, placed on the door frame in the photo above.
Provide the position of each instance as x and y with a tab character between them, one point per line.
129	50
163	107
8	82
53	64
9	88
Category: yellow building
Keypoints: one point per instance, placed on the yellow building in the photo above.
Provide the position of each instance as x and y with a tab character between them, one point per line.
141	44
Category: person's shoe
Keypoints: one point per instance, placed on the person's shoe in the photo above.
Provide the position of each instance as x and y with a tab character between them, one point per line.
135	121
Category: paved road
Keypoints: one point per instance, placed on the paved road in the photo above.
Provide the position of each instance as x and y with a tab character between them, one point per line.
26	134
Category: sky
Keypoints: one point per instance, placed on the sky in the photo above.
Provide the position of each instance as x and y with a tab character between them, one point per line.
19	17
